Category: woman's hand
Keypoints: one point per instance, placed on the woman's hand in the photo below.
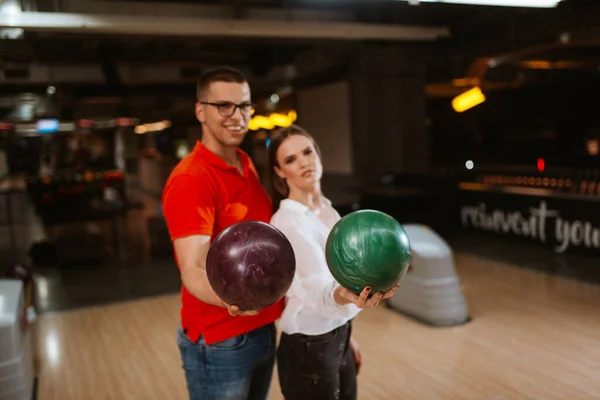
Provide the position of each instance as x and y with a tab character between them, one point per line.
344	296
356	354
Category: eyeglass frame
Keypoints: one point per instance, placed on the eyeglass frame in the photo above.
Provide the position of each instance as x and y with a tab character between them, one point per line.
228	104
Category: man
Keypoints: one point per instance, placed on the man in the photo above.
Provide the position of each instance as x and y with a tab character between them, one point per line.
227	354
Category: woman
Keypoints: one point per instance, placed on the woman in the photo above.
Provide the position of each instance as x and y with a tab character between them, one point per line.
316	358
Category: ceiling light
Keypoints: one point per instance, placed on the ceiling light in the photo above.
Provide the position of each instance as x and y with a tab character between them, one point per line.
9	7
505	3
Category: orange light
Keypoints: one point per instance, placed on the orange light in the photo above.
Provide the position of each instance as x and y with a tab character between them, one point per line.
592	188
468	99
593	147
273	120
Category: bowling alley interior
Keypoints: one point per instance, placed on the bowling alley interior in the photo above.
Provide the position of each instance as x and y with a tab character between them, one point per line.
474	124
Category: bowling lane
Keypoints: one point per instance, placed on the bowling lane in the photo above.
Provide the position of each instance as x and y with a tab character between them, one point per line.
522	319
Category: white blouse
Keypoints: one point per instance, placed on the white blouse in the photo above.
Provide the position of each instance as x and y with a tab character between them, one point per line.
310	308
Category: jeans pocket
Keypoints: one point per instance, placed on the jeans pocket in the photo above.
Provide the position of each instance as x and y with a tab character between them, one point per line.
189	353
233	343
183	339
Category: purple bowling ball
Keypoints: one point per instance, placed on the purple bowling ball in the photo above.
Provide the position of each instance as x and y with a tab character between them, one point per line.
251	264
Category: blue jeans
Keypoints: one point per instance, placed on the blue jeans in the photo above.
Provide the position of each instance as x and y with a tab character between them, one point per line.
240	368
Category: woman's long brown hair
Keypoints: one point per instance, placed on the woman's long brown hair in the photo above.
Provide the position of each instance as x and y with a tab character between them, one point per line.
279	189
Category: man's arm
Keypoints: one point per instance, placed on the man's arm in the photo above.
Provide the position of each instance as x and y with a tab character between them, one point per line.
191	253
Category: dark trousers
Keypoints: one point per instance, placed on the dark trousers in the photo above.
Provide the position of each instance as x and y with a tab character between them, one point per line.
318	367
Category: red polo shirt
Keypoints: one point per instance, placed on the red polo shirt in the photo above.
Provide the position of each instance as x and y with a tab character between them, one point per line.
203	196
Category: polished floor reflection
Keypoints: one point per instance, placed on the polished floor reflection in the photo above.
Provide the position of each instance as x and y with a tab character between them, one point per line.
532	336
81	284
530	256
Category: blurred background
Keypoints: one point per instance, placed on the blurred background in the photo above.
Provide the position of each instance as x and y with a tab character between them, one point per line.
477	119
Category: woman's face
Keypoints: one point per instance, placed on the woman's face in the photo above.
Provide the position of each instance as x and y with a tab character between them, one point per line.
299	163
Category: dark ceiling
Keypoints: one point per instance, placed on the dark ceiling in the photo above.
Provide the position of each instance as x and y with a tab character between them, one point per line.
476	31
521	39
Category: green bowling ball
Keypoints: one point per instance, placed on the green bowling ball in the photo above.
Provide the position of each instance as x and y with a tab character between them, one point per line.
368	248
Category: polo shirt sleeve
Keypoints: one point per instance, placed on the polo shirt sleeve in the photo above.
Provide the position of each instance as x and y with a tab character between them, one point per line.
189	207
313	284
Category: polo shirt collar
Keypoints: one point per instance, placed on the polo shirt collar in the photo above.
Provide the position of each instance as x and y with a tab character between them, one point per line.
215	160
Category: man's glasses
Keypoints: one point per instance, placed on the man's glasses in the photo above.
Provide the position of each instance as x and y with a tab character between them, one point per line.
227	109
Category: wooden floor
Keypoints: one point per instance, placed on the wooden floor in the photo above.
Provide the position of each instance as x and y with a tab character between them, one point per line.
532	336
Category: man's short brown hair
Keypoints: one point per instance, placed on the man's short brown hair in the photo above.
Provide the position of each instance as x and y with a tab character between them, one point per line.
218	74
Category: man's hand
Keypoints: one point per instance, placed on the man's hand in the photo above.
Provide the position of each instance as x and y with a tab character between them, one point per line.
235	311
